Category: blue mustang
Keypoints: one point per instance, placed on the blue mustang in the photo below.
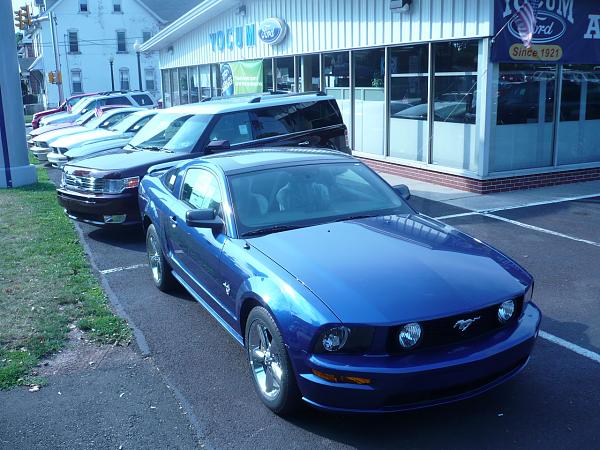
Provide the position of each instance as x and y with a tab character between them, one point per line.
342	294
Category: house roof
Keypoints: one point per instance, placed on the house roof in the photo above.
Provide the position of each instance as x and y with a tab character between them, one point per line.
167	11
25	63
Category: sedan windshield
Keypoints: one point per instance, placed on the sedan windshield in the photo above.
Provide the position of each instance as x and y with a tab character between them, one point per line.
291	197
174	132
85	118
123	125
82	104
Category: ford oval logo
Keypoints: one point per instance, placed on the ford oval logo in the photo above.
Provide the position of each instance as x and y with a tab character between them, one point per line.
272	31
549	28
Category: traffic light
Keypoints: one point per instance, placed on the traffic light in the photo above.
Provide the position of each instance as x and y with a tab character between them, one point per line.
58	77
19	19
26	14
51	78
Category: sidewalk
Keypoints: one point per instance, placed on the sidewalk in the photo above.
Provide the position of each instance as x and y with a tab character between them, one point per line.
501	200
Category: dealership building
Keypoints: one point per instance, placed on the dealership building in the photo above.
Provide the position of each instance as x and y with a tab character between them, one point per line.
437	90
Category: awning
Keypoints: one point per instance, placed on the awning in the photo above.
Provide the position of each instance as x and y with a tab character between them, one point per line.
37	64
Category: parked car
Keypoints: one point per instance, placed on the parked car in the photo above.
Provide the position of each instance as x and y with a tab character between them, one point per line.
65	106
89	144
40	146
141	99
83	119
103	190
341	293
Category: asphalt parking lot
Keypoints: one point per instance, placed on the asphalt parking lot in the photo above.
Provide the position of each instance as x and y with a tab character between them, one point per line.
553	403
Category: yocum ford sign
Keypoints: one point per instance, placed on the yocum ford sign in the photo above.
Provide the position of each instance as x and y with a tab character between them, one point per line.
567	31
271	31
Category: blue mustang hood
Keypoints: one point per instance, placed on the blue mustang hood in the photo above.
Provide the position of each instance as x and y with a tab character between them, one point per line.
394	269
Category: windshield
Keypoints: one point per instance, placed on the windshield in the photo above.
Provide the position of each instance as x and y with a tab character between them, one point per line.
123	125
85	118
291	197
81	104
107	119
172	132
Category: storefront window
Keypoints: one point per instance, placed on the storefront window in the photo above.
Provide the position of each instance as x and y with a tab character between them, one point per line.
409	132
174	87
579	115
369	101
284	68
216	79
183	86
524	117
336	75
309	73
166	86
454	104
267	74
194	87
205	81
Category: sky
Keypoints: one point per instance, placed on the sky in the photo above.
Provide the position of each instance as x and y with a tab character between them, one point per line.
16	4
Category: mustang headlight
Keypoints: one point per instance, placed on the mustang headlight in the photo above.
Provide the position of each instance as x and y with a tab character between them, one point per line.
344	339
528	294
506	311
119	185
409	335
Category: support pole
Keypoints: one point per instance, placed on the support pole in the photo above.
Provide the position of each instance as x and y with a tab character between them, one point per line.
61	95
15	169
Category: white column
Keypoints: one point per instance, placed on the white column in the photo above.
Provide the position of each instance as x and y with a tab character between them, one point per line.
15	169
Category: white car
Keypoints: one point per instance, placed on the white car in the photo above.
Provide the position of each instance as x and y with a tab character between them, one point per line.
90	144
141	99
40	145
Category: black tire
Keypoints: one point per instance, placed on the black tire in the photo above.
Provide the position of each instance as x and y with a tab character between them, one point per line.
160	268
287	400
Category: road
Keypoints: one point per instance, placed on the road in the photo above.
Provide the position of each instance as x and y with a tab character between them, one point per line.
553	403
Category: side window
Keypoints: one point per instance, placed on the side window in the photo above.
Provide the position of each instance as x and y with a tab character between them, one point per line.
272	121
140	123
170	178
235	128
320	114
143	100
117	101
201	190
112	120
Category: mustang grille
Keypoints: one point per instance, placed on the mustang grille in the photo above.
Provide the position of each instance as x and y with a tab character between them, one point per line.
440	332
88	184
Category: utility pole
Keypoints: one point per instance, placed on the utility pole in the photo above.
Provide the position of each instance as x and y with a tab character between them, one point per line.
61	96
15	169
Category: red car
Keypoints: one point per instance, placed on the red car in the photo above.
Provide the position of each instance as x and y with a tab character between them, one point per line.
65	106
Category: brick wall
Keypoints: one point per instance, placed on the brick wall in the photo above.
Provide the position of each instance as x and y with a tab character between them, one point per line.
486	186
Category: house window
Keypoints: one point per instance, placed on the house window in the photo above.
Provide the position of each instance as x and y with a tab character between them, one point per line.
121	42
124	79
73	42
117	6
150	79
83	5
146	35
76	87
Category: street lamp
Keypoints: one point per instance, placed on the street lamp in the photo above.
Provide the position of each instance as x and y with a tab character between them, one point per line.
111	60
136	47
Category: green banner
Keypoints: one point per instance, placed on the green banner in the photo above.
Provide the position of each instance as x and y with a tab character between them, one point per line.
242	77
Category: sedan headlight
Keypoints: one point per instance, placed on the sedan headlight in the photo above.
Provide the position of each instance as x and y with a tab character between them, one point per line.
528	294
409	335
506	311
117	186
344	339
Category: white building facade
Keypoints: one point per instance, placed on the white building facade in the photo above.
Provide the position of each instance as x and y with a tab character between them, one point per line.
95	38
427	91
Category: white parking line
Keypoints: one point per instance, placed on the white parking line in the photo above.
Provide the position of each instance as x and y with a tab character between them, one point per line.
121	269
570	346
452	216
541	230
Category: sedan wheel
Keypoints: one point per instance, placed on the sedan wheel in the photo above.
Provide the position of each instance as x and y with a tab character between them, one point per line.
271	370
161	271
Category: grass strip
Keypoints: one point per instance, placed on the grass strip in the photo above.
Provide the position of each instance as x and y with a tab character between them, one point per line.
46	283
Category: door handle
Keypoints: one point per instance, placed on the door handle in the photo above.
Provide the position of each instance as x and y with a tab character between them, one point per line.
304	143
173	220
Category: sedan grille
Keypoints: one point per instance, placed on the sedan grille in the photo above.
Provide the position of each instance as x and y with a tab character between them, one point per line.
43	144
445	331
87	184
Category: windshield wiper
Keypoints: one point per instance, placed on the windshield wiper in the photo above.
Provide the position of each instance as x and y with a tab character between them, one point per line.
356	217
153	148
269	230
133	147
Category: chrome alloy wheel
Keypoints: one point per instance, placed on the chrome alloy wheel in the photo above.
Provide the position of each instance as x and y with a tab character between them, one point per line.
265	360
155	259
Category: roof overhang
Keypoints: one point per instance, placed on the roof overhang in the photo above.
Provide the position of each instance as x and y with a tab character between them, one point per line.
198	15
37	64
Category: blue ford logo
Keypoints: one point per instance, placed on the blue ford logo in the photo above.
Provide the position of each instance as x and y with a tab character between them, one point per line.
272	31
549	28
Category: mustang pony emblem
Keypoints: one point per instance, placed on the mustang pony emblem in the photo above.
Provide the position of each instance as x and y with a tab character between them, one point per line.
462	325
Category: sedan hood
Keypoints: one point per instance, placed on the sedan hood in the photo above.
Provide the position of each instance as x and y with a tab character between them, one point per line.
97	148
394	269
130	163
59	118
88	136
48	128
52	136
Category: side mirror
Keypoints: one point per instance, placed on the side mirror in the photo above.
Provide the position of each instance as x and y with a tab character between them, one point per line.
217	146
203	218
403	191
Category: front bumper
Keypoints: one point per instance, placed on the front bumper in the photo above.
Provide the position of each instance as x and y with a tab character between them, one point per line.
101	210
40	153
56	159
425	378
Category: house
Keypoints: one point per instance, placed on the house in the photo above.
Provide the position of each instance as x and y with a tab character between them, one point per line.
97	41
